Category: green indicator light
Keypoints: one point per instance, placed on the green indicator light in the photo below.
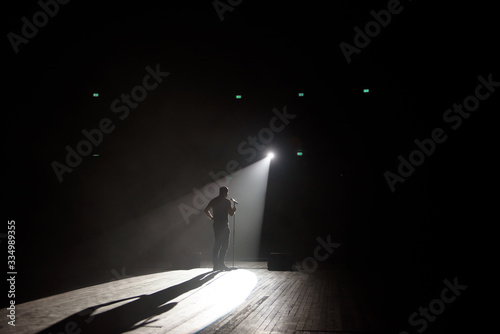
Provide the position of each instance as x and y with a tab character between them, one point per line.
238	97
299	153
95	155
95	95
366	90
301	94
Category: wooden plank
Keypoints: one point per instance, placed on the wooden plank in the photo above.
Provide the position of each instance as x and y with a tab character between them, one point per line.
330	327
274	287
239	315
299	307
281	323
279	302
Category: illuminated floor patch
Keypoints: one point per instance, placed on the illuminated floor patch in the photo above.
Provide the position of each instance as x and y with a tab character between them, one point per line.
183	301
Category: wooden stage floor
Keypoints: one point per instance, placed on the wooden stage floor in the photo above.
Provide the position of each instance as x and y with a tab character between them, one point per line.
248	300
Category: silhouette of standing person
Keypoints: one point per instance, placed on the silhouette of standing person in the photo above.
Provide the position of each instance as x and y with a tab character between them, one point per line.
221	208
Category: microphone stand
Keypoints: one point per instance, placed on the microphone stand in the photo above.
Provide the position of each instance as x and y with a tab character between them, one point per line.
234	235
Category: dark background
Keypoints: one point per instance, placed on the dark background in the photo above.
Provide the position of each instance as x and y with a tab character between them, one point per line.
437	224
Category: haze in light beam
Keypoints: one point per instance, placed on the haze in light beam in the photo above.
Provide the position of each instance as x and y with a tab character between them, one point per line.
248	187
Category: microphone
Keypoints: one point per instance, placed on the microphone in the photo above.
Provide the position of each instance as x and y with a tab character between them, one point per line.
235	201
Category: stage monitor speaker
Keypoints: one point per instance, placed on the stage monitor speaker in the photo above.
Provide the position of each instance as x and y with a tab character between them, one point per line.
280	262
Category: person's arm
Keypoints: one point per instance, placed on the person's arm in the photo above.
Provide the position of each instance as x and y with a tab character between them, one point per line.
231	210
208	213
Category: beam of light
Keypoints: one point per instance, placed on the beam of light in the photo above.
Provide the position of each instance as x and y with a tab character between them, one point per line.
166	232
249	187
270	155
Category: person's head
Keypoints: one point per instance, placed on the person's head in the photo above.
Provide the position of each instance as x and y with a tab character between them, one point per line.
223	191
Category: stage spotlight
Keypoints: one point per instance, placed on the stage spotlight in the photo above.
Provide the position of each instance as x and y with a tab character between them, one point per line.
270	155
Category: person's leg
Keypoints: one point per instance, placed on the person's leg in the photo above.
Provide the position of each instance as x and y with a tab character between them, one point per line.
217	246
224	233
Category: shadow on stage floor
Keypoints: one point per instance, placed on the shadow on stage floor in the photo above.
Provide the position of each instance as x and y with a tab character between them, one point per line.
129	316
